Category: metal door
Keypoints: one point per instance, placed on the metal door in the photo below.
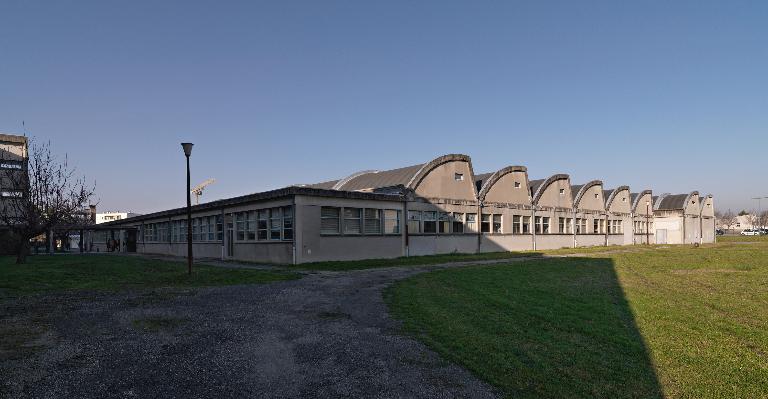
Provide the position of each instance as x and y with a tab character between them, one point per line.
661	236
230	239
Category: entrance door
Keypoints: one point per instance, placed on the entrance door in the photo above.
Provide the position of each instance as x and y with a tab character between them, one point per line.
130	241
661	236
230	239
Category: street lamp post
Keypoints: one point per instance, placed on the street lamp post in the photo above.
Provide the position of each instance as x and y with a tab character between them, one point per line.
187	152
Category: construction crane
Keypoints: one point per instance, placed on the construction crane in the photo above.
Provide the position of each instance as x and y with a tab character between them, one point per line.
198	190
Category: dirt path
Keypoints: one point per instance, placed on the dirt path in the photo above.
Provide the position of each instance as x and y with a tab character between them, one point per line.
325	335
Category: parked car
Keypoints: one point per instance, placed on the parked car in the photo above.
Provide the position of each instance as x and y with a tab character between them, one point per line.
750	232
763	232
720	232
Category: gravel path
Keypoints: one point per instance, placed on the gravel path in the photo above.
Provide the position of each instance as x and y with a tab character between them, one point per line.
325	335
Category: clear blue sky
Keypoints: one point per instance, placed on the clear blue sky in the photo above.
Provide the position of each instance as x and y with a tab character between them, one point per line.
671	96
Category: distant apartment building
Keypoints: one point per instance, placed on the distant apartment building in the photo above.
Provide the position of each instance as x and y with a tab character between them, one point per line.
114	216
437	207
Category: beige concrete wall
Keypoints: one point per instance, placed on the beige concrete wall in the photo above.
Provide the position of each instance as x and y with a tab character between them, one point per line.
621	202
504	190
692	207
506	242
442	244
708	229
673	226
692	229
592	199
312	246
590	240
554	241
708	207
642	209
13	152
615	239
552	197
440	182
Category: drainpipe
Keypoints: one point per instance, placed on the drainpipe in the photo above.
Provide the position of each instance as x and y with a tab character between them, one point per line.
224	233
533	221
683	225
295	225
573	226
406	239
479	224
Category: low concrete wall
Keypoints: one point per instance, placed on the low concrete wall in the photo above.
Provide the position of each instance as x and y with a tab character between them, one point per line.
328	248
590	240
554	241
442	244
615	239
506	242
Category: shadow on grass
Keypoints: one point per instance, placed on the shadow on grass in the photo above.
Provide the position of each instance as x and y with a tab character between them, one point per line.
546	328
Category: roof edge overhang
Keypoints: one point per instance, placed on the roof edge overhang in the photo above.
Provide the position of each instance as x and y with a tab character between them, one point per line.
551	179
611	197
262	196
640	195
584	189
496	176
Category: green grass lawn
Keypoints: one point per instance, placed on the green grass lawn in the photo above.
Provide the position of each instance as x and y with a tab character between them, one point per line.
740	238
45	273
678	322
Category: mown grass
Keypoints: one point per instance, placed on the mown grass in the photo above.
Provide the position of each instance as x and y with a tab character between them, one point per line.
678	322
46	273
740	238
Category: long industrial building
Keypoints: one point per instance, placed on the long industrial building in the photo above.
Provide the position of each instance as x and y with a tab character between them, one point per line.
433	208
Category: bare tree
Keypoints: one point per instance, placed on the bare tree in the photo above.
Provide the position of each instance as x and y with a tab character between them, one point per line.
726	220
40	196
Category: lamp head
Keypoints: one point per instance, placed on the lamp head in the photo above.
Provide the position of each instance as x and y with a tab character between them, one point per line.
187	148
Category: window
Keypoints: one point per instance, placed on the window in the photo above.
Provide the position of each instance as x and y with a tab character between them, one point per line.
581	226
497	223
485	223
275	224
391	221
251	226
212	227
517	184
11	193
526	224
517	224
565	226
541	224
471	222
372	221
430	221
287	223
414	222
262	224
352	221
598	226
458	222
329	221
240	225
562	191
195	230
444	223
458	176
219	228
